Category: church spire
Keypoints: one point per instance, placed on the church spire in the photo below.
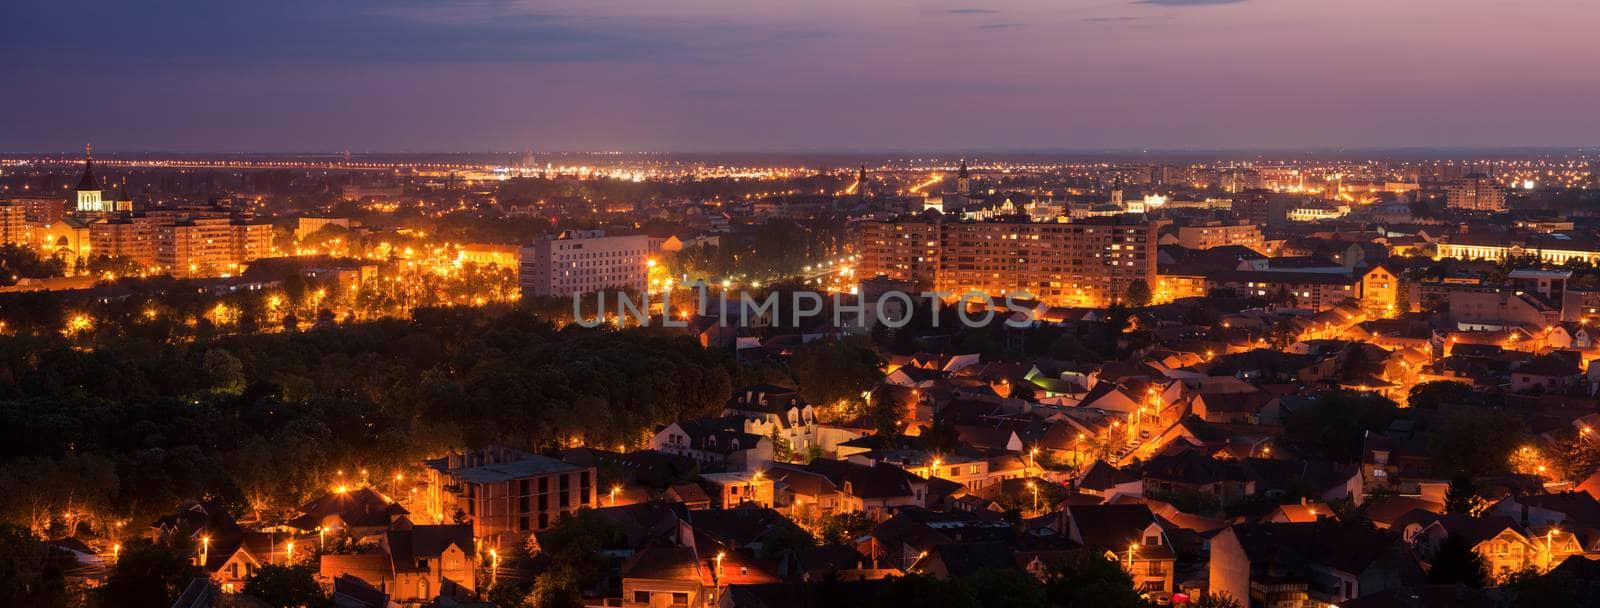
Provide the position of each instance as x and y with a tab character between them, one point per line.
88	183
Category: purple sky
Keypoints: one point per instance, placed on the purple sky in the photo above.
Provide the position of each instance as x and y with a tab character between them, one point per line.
470	75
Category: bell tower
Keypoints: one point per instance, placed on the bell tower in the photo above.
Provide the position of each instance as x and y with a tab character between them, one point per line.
89	200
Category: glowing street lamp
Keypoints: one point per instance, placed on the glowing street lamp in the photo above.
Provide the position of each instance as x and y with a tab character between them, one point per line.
494	567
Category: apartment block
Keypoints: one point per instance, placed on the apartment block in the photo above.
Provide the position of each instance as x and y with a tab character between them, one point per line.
1091	262
583	261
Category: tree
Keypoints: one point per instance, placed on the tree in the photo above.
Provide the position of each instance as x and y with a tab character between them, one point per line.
1533	590
1461	497
148	574
1431	395
1138	293
782	449
923	590
1474	442
287	586
1456	562
1007	588
1084	578
844	528
225	371
31	573
1335	424
834	370
1221	599
557	588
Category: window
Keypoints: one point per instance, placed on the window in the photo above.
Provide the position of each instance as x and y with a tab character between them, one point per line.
680	599
641	597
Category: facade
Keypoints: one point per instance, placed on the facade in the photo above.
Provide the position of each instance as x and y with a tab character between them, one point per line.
1477	192
1212	234
1314	290
41	210
484	254
1380	292
210	246
413	564
13	224
133	237
505	491
583	261
1085	263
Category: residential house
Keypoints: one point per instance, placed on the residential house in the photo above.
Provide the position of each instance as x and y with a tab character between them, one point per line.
413	563
716	443
1131	535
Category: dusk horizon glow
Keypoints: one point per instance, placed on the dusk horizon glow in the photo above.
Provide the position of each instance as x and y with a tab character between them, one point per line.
706	75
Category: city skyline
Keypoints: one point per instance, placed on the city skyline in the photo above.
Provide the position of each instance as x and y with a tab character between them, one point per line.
707	76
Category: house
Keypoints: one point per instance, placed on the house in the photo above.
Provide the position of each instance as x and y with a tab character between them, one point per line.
1191	472
880	489
413	563
228	552
1503	544
1321	563
905	540
1106	481
716	443
662	577
1553	372
1131	535
739	488
359	512
772	411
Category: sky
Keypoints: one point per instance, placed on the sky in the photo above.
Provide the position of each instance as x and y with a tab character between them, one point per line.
747	75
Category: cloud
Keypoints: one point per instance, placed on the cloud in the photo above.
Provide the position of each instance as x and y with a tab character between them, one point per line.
973	11
1000	26
1187	2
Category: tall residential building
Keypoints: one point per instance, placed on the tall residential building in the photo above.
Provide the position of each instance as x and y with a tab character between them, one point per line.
41	210
131	237
210	246
1085	263
1477	192
13	224
583	261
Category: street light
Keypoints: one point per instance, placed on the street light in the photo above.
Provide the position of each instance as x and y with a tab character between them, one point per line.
1035	488
614	490
494	566
288	552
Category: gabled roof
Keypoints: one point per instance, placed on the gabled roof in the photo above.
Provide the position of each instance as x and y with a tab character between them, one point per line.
1102	476
877	481
1477	529
966	559
663	563
1113	527
361	507
426	542
1349	547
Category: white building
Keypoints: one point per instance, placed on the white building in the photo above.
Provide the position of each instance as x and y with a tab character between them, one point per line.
583	261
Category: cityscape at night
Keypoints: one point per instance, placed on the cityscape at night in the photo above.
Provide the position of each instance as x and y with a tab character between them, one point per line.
700	304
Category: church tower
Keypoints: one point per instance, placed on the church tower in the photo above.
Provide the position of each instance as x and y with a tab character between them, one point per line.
863	190
963	180
88	188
